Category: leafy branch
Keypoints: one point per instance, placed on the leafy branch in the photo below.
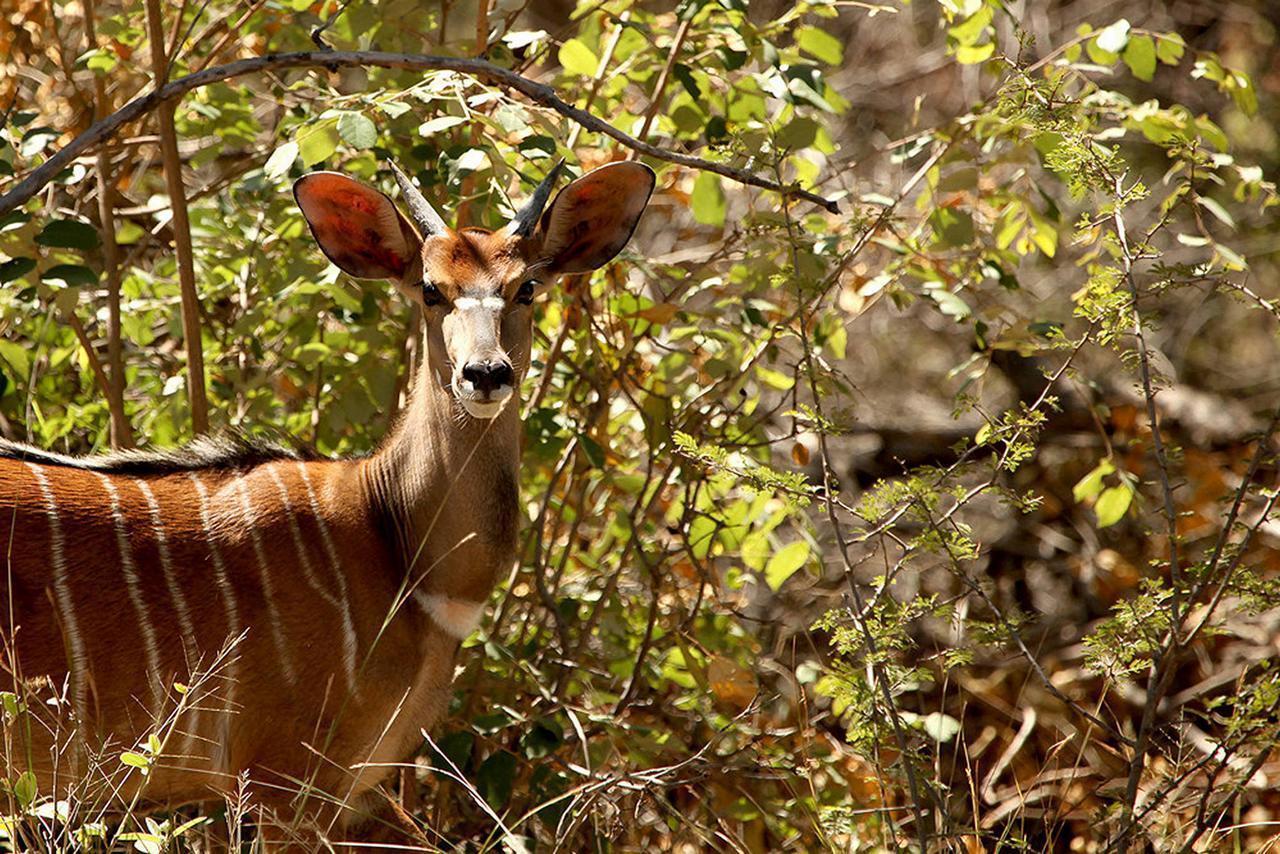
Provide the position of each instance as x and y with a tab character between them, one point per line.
539	93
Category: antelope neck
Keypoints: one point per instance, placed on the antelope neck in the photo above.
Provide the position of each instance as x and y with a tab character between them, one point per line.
448	483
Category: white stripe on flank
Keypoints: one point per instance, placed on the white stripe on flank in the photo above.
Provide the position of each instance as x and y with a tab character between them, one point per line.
166	566
273	610
457	618
349	646
192	652
134	588
352	641
79	663
221	761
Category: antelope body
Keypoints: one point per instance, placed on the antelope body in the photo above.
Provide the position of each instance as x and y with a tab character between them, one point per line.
295	620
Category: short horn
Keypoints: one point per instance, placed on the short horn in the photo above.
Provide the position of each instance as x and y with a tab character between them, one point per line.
526	219
424	216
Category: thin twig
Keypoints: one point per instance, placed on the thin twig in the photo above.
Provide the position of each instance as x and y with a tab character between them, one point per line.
121	430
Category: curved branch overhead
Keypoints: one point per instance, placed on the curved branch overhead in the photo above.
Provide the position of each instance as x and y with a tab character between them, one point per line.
539	93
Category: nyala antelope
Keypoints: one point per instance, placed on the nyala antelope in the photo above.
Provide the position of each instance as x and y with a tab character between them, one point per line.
349	584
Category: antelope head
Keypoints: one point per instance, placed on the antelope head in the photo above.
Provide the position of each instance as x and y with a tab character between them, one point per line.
476	286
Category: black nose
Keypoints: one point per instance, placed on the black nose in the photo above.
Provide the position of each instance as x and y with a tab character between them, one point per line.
487	376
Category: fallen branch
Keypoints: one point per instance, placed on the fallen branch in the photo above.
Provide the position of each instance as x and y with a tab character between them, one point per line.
478	68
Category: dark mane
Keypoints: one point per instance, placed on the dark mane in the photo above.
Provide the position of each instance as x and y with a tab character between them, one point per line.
226	452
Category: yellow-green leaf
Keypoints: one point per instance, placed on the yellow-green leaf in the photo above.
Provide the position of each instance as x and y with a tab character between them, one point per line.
576	58
1140	56
785	562
317	142
1170	48
820	44
135	760
25	789
707	200
1112	504
972	54
774	379
1091	484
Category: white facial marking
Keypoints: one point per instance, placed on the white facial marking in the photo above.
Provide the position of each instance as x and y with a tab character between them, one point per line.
78	665
466	303
457	618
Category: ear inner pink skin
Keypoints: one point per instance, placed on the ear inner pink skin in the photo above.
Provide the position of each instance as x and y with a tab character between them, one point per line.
358	227
593	218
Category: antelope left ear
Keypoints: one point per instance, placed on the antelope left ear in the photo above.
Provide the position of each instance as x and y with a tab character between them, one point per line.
593	218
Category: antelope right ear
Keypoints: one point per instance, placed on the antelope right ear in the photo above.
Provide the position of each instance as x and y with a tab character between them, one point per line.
593	218
358	228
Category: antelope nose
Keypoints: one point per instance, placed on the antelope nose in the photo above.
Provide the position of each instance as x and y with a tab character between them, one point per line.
488	375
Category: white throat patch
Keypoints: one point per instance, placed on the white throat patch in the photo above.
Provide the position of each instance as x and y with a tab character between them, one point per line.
457	618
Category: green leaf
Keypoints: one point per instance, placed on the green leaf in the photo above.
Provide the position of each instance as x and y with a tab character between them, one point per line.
15	267
25	789
592	450
820	44
1140	56
708	199
135	760
972	54
1243	93
800	132
1112	504
99	61
1114	38
576	58
1169	48
953	226
754	550
496	778
317	142
19	359
785	562
774	379
281	161
357	130
70	275
1091	484
68	234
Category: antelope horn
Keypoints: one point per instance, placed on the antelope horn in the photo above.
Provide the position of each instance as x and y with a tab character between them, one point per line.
526	219
424	216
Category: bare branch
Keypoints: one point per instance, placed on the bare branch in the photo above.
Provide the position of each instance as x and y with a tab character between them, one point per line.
537	92
191	331
121	431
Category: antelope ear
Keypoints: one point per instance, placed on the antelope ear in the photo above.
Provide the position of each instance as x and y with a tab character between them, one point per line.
357	227
593	218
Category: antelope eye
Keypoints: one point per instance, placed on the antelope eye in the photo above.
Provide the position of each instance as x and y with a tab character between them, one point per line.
524	295
431	294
